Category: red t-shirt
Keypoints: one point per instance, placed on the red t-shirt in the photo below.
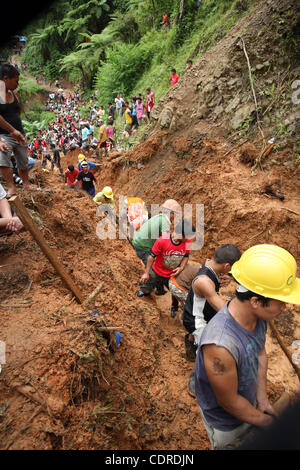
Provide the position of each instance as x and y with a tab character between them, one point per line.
71	176
174	79
168	254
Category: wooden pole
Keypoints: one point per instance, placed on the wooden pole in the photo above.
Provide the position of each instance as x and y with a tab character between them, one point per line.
92	295
48	252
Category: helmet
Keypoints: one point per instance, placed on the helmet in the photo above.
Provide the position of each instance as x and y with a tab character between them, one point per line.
81	157
84	164
270	271
108	192
171	205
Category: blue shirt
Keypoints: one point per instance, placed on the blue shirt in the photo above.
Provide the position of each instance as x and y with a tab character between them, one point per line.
224	331
84	133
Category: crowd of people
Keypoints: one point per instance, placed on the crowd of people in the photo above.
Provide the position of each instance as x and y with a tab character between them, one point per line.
225	339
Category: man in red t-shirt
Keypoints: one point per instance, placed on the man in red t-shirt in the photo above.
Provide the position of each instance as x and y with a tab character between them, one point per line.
169	256
71	176
174	77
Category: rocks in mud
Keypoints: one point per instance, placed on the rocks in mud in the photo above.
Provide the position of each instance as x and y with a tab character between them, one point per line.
165	118
242	114
232	105
248	154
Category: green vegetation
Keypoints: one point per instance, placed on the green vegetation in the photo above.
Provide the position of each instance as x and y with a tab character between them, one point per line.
119	45
27	88
36	115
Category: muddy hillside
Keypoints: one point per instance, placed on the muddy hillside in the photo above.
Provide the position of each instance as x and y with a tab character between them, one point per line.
68	382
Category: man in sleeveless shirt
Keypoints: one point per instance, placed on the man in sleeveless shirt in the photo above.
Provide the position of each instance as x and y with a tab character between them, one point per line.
231	363
204	301
11	130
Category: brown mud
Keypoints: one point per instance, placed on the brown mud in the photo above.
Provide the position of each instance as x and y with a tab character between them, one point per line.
65	384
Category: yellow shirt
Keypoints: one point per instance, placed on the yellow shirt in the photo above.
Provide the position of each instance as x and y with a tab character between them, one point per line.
128	118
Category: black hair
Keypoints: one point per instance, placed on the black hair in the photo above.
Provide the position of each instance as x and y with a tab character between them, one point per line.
185	228
227	253
8	70
71	168
243	296
173	70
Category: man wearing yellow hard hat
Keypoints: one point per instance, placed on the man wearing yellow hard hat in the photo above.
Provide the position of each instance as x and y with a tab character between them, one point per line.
231	363
91	165
106	196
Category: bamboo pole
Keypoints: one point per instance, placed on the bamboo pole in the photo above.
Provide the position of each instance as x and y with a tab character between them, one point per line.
92	295
48	252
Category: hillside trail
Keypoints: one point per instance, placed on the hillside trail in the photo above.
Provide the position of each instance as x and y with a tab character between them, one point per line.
68	87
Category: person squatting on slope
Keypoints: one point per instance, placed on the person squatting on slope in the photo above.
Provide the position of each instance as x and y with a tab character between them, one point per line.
231	364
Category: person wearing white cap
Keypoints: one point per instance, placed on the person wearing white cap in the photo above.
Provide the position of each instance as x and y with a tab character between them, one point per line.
231	363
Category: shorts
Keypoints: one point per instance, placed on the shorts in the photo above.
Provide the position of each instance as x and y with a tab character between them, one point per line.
103	145
20	152
128	127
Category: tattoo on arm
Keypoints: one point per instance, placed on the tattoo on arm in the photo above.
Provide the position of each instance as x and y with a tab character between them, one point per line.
218	366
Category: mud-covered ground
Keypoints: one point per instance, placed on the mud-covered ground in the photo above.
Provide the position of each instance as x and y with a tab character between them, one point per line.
65	384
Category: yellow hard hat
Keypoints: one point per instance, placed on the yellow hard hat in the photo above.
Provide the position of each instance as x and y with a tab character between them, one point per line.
270	271
108	192
81	157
